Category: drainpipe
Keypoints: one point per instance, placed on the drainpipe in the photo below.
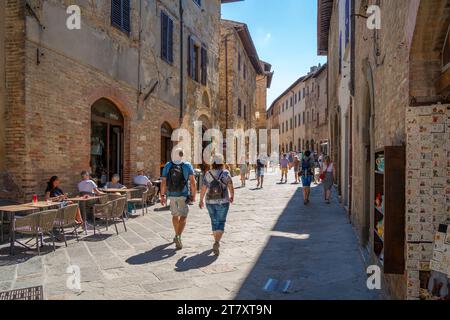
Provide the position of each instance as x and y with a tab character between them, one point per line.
181	61
226	82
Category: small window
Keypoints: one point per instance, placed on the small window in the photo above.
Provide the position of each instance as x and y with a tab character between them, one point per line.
166	37
245	112
120	15
197	61
239	111
204	65
198	2
239	61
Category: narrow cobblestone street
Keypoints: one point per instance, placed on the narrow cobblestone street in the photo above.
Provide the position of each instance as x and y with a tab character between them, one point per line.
274	248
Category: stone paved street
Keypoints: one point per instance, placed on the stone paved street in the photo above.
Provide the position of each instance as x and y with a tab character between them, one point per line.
311	252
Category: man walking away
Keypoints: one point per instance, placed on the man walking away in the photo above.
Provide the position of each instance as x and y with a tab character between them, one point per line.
284	166
296	168
260	166
307	175
174	186
219	191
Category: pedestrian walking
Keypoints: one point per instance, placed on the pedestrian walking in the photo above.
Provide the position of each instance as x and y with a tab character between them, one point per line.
328	176
284	166
307	175
260	166
296	166
219	191
177	180
243	171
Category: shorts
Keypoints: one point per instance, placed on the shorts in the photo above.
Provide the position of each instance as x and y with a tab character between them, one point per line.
218	214
179	207
307	180
260	172
284	170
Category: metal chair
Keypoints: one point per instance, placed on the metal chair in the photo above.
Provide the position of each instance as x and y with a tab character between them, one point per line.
66	218
103	212
118	212
36	225
139	197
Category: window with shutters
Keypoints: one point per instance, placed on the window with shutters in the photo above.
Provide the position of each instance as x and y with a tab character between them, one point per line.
198	2
204	65
239	61
197	61
166	38
239	110
245	112
120	15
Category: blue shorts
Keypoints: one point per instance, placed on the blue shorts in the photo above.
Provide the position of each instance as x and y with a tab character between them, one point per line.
307	180
218	214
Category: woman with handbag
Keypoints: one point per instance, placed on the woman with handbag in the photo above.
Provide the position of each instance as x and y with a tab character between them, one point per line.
327	176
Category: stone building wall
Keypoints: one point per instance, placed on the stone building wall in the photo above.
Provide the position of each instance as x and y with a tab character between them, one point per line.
2	84
54	75
238	87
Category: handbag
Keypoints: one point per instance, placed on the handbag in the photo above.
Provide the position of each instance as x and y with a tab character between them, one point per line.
323	175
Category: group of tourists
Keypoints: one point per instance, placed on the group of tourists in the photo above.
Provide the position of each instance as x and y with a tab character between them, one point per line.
309	168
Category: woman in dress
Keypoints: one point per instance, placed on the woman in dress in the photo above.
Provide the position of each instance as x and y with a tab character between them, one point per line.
328	172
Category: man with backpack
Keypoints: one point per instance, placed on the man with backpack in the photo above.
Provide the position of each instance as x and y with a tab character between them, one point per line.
177	180
307	175
219	191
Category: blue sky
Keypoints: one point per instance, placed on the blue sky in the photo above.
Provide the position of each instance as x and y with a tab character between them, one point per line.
285	35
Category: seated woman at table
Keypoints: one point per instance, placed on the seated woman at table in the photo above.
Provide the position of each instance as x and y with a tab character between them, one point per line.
114	183
53	191
87	186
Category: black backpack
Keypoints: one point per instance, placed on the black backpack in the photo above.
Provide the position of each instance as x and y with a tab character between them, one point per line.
216	188
176	182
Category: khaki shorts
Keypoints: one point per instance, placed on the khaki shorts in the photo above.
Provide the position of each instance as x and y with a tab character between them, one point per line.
178	206
284	170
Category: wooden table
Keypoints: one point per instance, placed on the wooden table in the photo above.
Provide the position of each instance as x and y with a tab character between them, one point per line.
12	210
42	204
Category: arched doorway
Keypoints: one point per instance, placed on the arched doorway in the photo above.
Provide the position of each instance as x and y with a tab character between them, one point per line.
107	125
166	144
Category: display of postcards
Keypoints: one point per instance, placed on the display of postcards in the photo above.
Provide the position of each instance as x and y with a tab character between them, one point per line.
439	240
426	164
447	238
439	182
415	164
426	156
413	293
412	201
425	183
425	192
438	128
425	202
438	266
439	110
426	236
426	137
412	209
424	265
413	264
427	227
412	192
424	111
438	163
426	218
438	118
413	237
413	283
413	228
413	174
439	138
413	255
412	218
413	275
426	172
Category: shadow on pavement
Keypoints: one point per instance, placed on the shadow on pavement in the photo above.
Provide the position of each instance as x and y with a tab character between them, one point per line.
312	249
156	254
198	261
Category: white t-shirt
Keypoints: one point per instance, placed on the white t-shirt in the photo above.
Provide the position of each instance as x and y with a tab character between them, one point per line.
328	168
87	186
141	181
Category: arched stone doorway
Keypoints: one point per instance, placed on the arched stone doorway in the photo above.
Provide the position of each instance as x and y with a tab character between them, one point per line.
107	145
166	144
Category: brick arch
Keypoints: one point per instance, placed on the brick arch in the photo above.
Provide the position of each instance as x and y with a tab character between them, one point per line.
428	37
113	95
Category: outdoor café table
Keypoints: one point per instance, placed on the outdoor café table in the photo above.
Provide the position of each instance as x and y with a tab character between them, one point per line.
12	210
41	205
82	202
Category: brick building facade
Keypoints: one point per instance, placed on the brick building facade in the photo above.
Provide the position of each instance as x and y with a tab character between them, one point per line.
106	97
389	70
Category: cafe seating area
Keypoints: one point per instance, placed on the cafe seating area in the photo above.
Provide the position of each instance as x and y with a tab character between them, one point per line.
33	225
